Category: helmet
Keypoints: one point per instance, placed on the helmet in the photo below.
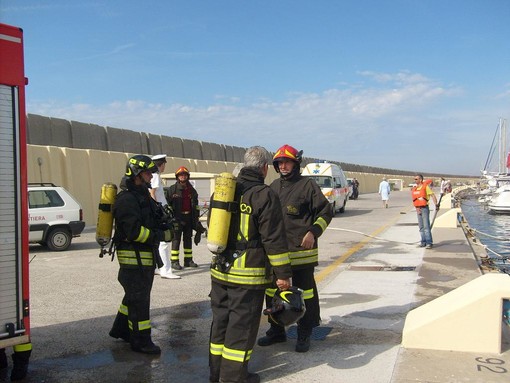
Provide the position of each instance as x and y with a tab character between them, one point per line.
138	164
287	306
182	169
159	158
287	152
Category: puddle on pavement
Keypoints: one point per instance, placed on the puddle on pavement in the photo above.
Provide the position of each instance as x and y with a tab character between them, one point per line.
342	299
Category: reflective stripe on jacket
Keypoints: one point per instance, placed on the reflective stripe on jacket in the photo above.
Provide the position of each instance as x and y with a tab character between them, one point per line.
304	209
135	227
129	257
261	229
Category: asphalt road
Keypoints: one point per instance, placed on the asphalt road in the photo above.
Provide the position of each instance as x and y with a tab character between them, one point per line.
75	295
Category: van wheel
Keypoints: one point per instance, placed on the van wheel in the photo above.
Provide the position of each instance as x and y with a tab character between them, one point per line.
342	209
58	239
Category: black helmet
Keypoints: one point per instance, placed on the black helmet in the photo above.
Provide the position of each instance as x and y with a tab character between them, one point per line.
138	164
287	306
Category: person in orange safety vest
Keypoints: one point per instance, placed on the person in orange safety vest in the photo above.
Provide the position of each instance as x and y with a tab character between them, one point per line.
421	195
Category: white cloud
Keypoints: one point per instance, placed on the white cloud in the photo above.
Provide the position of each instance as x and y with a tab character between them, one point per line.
372	125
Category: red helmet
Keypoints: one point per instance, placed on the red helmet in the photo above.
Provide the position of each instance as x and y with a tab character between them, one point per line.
287	152
182	169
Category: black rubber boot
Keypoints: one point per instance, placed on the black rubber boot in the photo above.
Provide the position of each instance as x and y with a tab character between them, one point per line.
252	378
20	365
114	333
303	340
189	263
120	328
275	334
3	359
144	344
176	265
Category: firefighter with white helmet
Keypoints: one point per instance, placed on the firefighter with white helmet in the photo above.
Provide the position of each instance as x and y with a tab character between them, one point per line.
306	214
138	233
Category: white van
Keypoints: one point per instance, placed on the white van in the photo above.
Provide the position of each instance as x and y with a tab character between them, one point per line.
332	181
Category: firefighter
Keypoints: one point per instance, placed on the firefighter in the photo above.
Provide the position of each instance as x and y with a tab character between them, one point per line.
183	198
137	236
306	214
20	359
158	193
246	268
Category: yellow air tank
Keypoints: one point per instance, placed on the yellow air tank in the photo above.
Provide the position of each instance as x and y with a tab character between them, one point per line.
105	215
219	221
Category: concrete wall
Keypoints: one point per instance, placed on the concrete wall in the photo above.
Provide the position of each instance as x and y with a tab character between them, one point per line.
84	171
78	135
81	157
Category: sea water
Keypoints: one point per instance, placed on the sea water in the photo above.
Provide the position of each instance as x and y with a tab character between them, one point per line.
493	230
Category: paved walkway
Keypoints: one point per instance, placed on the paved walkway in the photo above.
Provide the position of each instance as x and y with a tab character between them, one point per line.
367	286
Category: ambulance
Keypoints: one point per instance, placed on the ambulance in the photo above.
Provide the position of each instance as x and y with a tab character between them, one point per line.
332	181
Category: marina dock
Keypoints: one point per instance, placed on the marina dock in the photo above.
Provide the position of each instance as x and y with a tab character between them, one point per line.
371	274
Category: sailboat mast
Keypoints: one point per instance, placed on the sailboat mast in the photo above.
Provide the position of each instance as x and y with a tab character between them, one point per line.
502	146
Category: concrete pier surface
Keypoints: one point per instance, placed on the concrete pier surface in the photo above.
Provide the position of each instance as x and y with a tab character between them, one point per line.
371	275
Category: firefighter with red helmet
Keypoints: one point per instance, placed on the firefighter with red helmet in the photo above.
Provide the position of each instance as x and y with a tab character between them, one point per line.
183	198
138	232
306	214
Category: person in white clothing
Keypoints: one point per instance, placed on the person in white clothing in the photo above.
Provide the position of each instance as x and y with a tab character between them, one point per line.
384	192
158	194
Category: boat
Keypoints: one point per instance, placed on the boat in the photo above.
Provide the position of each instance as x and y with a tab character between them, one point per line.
499	202
494	186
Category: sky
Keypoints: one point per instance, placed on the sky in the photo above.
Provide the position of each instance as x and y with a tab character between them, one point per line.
417	85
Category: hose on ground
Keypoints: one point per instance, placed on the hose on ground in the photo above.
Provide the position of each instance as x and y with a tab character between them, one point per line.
371	236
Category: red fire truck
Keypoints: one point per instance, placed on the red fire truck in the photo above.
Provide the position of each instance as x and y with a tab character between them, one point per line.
14	287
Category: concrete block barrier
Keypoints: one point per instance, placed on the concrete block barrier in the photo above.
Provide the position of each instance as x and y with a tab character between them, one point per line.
211	151
104	167
133	142
239	154
215	167
449	219
172	146
86	136
79	178
46	164
229	153
155	144
61	133
467	319
192	149
38	130
115	139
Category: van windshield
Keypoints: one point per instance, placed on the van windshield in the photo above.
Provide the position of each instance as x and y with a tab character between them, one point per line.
323	181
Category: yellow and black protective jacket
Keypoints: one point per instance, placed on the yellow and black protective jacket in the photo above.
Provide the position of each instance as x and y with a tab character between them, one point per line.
136	227
304	209
261	244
